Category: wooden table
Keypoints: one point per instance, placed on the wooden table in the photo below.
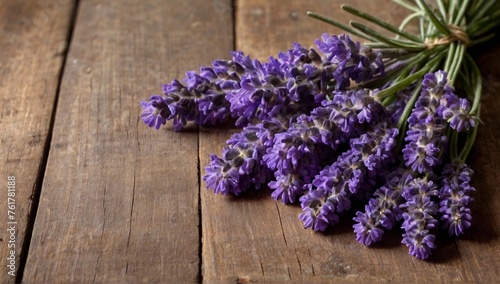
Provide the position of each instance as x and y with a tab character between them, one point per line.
102	198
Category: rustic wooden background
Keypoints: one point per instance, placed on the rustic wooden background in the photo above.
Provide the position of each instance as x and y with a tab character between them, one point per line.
102	198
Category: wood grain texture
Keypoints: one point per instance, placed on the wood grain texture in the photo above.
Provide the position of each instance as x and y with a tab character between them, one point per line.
253	238
119	202
33	39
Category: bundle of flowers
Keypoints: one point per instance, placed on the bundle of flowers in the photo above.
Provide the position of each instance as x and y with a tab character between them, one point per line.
389	123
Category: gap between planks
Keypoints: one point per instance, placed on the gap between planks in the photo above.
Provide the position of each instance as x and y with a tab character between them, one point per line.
43	163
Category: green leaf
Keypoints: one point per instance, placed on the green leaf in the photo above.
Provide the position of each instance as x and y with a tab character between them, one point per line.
478	86
451	54
406	5
429	66
452	10
461	12
390	42
403	120
483	10
435	21
456	61
409	18
338	25
380	23
471	138
442	8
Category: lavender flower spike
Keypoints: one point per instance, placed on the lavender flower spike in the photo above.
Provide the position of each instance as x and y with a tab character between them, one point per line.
353	61
155	112
241	164
419	217
201	99
426	133
455	198
382	211
458	115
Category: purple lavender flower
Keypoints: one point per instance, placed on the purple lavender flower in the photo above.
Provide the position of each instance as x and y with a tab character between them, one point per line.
269	128
349	110
222	177
316	213
287	187
295	150
382	211
154	112
262	94
201	99
353	61
295	82
240	166
352	172
367	229
426	133
440	97
298	80
290	147
458	115
455	198
331	190
419	217
307	76
295	159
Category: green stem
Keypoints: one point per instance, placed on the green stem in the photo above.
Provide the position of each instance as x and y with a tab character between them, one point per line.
452	10
435	21
485	28
408	19
390	75
442	8
339	25
449	57
461	12
403	120
396	53
406	5
401	84
380	45
456	62
478	88
471	138
380	23
475	8
409	80
391	42
483	25
480	13
465	83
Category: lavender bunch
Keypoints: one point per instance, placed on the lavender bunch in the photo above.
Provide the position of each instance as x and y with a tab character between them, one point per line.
382	124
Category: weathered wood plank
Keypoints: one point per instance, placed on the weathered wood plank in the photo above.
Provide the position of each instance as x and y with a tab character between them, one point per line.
119	201
254	238
33	39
